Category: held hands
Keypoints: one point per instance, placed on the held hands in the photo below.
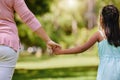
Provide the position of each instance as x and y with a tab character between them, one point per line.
57	50
53	47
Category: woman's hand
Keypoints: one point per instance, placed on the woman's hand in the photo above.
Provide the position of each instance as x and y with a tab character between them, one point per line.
52	45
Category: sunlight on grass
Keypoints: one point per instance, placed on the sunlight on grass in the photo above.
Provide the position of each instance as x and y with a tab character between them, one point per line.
60	61
75	73
71	78
60	67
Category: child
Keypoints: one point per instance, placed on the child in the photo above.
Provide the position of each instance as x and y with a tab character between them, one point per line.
108	38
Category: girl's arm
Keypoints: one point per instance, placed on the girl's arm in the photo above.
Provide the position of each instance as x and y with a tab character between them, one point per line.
79	49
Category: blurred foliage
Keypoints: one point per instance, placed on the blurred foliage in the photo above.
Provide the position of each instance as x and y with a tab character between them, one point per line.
39	7
65	24
101	3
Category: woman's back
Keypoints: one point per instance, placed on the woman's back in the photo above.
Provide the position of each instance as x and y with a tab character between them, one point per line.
6	10
8	29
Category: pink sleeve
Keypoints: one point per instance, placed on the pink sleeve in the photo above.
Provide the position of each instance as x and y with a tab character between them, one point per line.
26	15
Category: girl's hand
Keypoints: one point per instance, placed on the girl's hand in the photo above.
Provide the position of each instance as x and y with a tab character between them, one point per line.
56	50
52	45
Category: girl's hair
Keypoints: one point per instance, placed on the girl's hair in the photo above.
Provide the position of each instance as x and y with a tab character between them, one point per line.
110	19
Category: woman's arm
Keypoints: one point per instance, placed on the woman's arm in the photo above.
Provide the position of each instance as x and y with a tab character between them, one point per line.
28	17
42	34
79	49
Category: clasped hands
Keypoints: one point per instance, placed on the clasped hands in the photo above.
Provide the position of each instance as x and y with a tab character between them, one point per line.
53	47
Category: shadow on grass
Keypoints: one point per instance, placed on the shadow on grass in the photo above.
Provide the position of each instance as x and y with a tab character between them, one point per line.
21	74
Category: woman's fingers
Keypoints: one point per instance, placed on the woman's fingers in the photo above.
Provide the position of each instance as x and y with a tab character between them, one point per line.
53	47
52	44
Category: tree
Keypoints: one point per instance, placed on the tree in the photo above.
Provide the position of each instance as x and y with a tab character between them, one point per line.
90	14
39	7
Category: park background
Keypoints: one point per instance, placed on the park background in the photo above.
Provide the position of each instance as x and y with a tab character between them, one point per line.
69	23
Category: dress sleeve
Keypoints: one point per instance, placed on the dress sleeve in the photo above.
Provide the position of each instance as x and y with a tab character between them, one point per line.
26	15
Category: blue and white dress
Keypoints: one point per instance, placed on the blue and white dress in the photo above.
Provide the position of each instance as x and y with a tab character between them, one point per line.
109	67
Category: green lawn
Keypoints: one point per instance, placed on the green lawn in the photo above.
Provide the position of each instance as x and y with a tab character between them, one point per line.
72	67
71	73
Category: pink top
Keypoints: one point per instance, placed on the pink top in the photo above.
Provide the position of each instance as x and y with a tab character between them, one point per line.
8	29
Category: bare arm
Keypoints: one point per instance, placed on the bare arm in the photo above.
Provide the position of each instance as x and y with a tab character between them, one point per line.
28	17
80	49
42	34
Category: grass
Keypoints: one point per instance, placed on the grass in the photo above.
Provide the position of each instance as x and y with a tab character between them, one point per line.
71	73
70	67
59	62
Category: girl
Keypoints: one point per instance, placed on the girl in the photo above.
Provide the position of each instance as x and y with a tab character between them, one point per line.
9	40
108	38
